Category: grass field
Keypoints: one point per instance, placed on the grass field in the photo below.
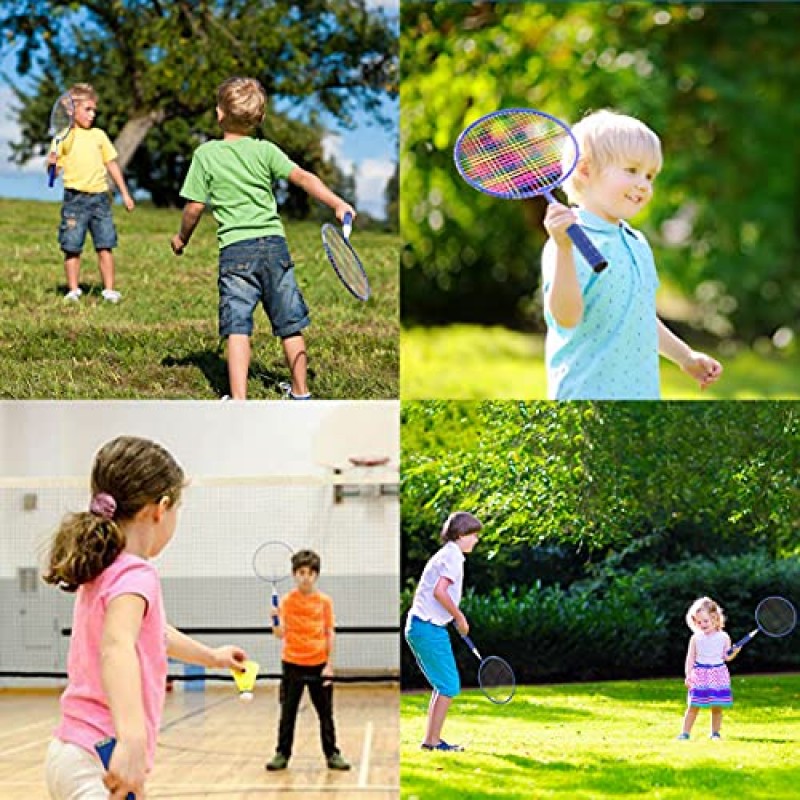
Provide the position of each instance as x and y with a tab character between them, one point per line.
161	340
474	362
602	740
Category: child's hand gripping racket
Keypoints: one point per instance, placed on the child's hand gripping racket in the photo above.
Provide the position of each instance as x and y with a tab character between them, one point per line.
62	118
775	617
495	676
104	749
272	562
344	259
517	153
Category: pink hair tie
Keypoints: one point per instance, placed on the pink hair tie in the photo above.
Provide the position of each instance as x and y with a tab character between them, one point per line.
104	505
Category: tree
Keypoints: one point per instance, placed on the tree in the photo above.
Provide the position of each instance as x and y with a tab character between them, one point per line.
156	66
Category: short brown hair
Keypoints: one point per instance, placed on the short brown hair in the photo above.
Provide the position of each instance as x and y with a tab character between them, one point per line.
242	101
458	524
306	558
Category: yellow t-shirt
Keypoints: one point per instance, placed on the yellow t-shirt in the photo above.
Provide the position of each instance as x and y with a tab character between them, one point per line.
83	156
306	619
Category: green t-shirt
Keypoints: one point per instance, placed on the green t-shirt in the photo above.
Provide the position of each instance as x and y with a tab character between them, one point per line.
235	178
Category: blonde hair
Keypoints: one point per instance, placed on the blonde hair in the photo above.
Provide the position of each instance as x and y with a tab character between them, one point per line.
711	608
82	91
242	102
128	474
607	137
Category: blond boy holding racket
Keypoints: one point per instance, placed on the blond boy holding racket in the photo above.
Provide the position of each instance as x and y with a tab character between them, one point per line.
235	176
87	157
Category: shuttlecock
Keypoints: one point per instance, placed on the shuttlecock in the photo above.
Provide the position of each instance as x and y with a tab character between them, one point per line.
246	680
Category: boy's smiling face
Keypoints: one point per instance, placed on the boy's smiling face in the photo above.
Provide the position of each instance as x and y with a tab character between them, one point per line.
85	112
620	190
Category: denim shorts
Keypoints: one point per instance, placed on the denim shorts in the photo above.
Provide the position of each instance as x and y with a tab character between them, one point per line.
257	271
81	212
431	646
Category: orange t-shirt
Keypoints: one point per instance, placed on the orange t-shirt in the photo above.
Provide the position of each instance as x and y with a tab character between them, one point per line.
307	620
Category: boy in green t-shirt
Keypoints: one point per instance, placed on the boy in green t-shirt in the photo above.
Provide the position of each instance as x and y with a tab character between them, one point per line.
234	176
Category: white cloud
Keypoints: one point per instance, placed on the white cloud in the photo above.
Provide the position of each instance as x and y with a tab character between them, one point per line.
371	179
9	132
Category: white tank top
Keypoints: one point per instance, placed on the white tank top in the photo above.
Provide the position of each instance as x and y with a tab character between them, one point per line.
710	647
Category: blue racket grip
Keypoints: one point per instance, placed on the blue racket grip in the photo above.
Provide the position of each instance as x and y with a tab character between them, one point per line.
51	173
105	748
742	642
471	646
275	618
595	258
347	224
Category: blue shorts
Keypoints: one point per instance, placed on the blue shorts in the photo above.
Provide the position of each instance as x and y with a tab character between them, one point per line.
257	271
431	646
83	211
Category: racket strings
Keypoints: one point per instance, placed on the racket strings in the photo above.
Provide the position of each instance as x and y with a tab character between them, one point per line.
496	679
345	262
273	562
776	616
516	153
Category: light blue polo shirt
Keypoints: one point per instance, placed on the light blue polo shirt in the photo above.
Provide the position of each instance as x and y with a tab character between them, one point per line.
612	354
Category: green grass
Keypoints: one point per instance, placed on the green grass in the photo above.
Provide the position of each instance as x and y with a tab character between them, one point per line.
601	740
161	340
467	362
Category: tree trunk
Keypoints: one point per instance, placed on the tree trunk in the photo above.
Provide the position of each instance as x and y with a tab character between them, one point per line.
133	133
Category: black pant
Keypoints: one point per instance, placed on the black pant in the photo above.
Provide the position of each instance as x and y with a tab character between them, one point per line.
295	679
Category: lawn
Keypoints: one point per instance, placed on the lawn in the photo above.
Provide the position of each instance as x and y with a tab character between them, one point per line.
601	740
161	340
466	362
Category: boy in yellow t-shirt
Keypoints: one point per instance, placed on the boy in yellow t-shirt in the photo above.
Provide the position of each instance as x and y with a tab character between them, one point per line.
307	629
85	156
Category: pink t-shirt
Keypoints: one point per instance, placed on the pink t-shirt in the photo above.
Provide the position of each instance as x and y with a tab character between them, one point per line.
85	714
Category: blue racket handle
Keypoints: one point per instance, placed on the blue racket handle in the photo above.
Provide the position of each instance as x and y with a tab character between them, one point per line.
275	618
595	258
105	748
51	173
347	224
471	646
742	642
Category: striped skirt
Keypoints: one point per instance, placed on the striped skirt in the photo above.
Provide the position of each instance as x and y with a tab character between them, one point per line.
711	686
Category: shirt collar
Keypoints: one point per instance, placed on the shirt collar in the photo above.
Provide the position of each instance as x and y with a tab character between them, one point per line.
457	549
594	223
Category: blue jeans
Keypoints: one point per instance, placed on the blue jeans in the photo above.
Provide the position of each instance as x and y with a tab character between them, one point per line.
257	271
80	212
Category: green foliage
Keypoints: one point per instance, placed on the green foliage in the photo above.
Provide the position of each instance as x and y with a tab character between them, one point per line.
596	477
157	65
161	341
718	87
606	740
621	625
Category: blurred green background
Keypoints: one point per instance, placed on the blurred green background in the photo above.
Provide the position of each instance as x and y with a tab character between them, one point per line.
716	81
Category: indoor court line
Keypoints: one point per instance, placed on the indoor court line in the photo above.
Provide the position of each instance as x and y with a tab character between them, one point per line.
363	770
28	746
14	731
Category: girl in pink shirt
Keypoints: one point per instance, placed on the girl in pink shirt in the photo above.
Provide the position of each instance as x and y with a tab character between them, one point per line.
117	664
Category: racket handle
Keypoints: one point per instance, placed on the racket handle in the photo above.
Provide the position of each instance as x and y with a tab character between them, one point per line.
471	646
595	258
104	748
347	224
51	175
275	618
742	642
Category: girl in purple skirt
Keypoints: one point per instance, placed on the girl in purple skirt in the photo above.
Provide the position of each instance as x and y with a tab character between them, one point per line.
707	676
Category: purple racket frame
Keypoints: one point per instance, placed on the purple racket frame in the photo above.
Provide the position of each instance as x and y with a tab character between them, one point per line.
584	244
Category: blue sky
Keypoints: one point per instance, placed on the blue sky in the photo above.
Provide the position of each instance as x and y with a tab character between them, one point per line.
368	149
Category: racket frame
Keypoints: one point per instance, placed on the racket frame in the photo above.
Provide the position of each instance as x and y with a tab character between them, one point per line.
343	238
65	98
483	662
575	232
272	579
761	629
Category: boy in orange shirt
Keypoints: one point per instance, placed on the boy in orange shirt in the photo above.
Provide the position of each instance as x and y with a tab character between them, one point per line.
307	629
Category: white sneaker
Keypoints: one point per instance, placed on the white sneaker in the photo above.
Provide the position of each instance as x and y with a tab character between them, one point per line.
111	295
73	296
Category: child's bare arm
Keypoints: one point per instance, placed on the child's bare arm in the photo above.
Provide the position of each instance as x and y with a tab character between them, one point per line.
564	299
703	368
312	185
116	175
192	212
690	659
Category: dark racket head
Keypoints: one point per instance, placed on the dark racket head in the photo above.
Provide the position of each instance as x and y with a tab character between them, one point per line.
345	262
272	562
496	679
516	153
776	616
